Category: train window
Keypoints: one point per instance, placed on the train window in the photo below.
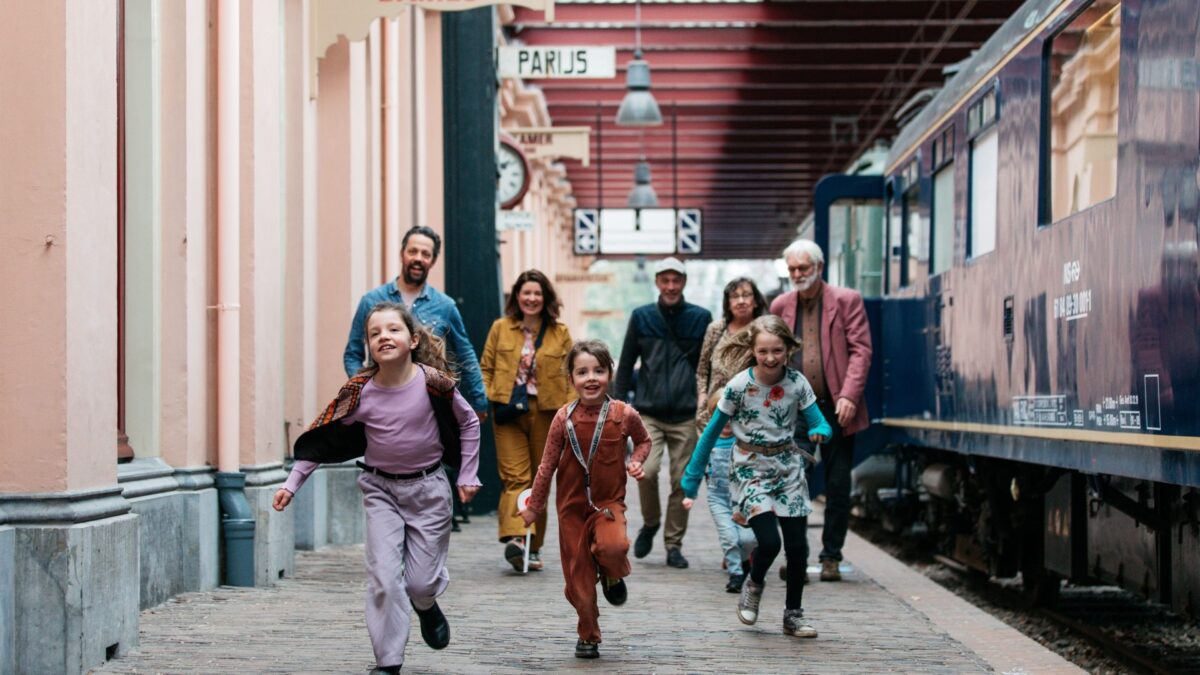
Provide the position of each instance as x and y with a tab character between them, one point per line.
981	224
982	112
894	250
916	240
908	240
855	253
1083	67
943	219
942	253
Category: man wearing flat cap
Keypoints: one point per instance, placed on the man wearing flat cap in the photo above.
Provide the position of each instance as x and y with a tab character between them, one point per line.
666	336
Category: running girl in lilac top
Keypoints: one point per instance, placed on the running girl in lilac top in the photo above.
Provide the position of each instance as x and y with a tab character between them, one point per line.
406	494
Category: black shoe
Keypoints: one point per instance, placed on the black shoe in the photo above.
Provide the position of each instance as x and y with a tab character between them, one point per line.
615	591
644	541
735	583
385	670
454	526
434	627
675	559
587	650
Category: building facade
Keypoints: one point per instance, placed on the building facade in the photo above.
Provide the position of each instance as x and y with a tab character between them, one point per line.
188	216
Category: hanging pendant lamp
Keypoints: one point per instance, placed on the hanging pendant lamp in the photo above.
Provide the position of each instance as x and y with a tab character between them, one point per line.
638	108
642	196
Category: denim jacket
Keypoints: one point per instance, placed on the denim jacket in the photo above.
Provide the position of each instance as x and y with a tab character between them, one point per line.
437	312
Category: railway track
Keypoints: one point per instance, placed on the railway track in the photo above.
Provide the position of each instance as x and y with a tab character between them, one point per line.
1103	629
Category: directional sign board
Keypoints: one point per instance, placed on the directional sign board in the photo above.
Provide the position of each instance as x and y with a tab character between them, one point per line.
587	231
637	231
688	222
514	220
553	142
531	63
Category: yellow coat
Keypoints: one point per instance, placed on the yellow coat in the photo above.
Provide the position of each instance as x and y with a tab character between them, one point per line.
502	355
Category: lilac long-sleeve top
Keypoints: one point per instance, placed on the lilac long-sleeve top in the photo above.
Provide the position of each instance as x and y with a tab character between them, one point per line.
402	433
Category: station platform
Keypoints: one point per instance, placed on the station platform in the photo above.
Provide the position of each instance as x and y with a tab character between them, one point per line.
883	617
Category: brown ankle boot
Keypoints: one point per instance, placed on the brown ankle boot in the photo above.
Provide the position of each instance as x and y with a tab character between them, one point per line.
829	571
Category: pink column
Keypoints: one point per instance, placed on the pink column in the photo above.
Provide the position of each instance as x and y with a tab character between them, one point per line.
334	295
58	246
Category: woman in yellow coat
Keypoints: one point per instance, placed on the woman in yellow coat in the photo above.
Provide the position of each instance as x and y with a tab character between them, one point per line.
524	374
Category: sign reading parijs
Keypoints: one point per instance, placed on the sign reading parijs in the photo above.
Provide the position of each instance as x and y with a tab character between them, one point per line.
557	62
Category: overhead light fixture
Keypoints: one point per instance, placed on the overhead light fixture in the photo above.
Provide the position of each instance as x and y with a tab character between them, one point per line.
642	196
638	108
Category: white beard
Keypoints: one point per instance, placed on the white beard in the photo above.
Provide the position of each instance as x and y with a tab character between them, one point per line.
804	284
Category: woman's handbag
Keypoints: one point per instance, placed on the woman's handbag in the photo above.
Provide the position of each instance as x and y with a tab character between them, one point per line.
518	402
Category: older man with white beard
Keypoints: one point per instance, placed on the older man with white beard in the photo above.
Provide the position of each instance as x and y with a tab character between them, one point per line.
835	357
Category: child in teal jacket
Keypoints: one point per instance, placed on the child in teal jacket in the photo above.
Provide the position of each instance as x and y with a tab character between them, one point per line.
767	483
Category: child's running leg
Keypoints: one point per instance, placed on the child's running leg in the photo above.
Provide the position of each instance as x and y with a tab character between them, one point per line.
427	539
766	531
610	550
579	573
388	606
795	549
610	542
795	546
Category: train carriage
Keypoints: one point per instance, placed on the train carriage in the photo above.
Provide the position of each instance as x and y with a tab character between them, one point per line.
1038	365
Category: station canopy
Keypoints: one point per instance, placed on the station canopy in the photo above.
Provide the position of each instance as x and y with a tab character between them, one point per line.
759	99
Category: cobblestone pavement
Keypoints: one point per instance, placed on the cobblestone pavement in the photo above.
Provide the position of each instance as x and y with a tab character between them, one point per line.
676	621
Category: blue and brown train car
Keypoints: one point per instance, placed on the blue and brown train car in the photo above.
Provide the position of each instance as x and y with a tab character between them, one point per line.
1038	363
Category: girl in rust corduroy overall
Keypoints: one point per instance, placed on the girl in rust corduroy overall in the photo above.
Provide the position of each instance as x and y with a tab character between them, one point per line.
591	502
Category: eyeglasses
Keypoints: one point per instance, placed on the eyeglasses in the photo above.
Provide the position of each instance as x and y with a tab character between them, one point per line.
801	269
744	295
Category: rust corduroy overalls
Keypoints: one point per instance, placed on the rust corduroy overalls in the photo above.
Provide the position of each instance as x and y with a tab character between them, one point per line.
593	543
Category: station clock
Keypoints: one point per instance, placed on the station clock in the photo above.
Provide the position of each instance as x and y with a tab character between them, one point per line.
512	170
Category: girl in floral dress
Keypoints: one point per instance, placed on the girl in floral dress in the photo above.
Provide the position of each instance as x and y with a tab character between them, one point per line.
770	494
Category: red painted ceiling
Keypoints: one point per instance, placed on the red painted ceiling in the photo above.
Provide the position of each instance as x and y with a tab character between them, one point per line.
766	97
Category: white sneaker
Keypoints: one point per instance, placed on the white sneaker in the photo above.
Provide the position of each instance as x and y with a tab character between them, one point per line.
747	608
795	625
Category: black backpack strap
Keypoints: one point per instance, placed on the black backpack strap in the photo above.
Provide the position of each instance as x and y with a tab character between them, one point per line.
442	400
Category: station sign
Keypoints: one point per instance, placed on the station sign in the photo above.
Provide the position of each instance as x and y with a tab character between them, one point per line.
553	142
519	221
553	63
637	231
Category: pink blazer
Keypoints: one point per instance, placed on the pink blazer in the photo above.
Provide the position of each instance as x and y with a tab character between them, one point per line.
845	345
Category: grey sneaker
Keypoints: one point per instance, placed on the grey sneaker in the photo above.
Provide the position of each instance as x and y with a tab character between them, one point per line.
747	608
794	624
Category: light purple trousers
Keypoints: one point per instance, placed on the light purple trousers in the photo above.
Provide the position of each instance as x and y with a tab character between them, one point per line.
408	537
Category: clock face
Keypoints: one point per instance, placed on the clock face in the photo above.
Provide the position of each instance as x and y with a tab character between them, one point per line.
513	175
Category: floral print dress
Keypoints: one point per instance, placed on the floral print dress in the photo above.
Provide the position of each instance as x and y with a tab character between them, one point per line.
767	416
